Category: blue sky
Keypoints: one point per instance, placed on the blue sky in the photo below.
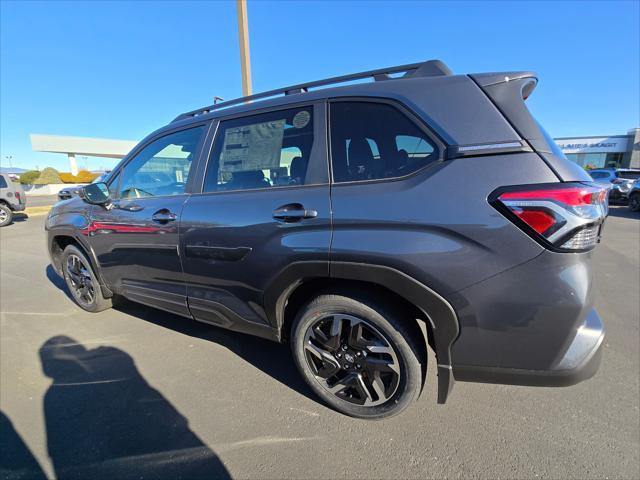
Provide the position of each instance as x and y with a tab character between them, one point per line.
121	70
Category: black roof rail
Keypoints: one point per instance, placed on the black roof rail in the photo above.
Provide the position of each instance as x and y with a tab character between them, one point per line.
430	68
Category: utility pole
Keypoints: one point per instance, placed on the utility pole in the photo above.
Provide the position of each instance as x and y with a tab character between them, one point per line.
243	33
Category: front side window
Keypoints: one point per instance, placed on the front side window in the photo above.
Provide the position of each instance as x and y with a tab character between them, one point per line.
261	151
162	167
113	185
371	141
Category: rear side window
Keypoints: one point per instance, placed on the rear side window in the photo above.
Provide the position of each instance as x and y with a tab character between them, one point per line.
553	146
371	141
261	151
3	182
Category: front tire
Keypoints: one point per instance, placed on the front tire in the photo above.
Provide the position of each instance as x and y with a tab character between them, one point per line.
357	355
634	202
6	215
82	282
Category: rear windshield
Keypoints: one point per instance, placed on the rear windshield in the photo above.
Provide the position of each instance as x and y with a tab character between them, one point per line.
553	146
629	175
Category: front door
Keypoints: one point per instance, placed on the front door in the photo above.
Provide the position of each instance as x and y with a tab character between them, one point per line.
136	239
264	206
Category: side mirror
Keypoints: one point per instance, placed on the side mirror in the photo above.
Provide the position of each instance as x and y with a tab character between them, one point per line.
96	194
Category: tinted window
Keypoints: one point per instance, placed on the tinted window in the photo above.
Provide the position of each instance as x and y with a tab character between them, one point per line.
113	185
628	175
261	151
553	146
162	167
3	182
373	140
596	175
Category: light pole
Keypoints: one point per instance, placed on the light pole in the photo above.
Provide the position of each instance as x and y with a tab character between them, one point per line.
243	34
9	157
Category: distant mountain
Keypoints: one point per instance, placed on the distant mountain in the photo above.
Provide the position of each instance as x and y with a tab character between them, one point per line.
12	170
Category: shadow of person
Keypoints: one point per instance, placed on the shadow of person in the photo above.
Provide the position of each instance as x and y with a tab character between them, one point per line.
105	421
16	460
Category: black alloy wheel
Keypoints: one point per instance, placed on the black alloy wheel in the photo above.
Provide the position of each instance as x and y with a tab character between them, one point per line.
359	352
82	283
352	359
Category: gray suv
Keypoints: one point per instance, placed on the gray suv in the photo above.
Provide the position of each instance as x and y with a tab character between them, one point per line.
12	199
362	224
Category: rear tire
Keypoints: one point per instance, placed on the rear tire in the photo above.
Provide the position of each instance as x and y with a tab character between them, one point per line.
634	202
357	355
82	282
6	215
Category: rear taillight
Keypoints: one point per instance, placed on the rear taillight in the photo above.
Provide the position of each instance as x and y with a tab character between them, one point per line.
18	196
564	217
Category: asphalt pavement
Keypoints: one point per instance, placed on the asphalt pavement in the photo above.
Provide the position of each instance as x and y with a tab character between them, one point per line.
139	390
41	200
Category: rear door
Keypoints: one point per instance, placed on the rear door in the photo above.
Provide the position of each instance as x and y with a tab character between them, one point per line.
136	240
264	205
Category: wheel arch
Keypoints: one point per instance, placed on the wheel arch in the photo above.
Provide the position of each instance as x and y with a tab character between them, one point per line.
59	241
300	281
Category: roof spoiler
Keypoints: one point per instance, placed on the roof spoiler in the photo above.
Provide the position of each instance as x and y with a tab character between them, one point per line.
507	91
430	68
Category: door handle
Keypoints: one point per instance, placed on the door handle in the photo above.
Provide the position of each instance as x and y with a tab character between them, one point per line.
163	216
293	212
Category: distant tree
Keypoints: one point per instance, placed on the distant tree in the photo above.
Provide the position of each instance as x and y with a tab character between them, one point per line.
47	176
84	176
29	176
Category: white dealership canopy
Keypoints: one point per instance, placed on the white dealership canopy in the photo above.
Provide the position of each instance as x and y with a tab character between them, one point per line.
72	146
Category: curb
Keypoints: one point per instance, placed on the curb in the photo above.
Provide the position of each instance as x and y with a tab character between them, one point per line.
36	211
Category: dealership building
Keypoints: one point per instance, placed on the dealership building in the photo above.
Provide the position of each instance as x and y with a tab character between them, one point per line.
620	151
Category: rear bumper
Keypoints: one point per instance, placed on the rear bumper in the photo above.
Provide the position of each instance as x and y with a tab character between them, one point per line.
18	207
580	362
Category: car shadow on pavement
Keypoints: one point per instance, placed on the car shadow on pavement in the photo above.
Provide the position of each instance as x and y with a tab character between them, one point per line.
57	280
104	421
622	212
272	358
20	217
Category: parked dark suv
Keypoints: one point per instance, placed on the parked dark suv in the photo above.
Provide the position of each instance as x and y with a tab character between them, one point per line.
360	224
